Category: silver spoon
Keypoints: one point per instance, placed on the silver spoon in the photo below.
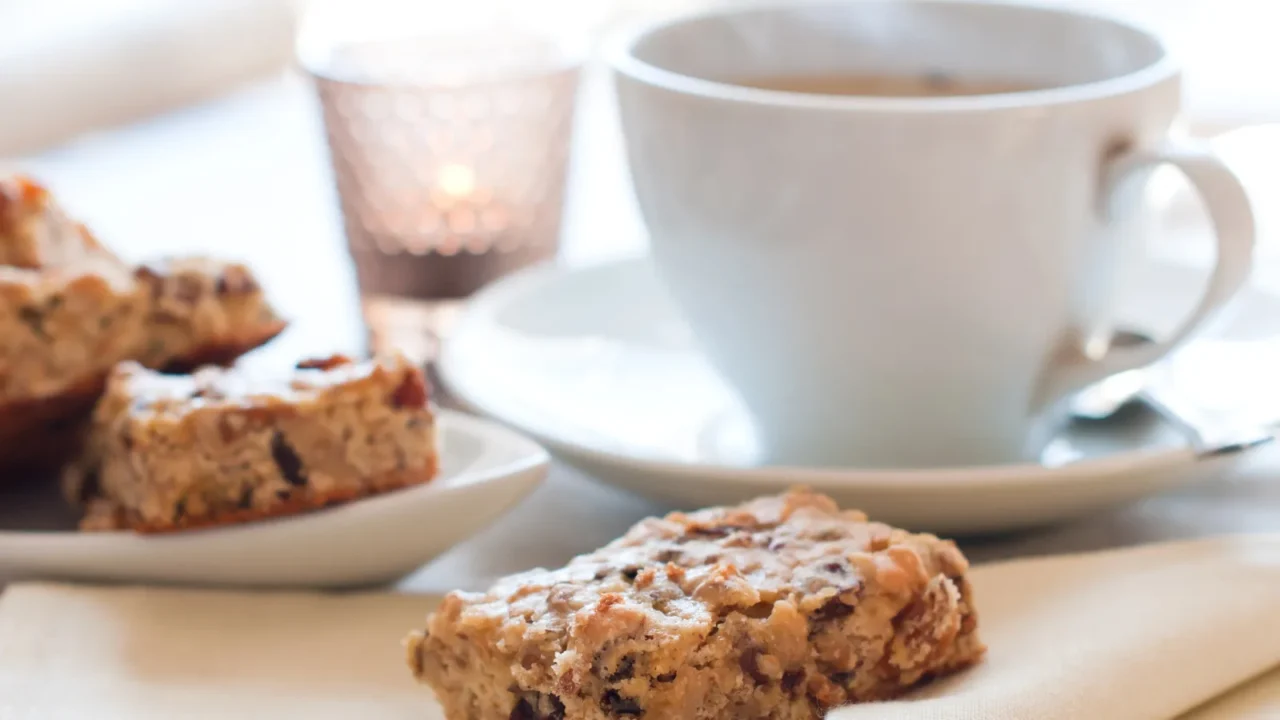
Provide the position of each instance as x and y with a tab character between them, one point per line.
1208	432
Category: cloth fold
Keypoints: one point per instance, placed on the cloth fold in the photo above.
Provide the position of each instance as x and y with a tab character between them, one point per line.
1186	630
74	66
1135	634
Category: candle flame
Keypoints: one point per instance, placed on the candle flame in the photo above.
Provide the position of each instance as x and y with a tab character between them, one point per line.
456	180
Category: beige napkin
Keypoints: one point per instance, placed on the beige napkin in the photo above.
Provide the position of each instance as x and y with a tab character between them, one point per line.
149	654
1133	634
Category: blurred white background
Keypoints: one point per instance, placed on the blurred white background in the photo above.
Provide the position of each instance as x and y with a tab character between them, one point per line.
186	108
70	66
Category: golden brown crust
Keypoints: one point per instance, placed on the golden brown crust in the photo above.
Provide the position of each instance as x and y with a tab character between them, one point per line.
103	515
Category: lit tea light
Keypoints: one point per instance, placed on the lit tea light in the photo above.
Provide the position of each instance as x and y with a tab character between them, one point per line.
457	181
472	218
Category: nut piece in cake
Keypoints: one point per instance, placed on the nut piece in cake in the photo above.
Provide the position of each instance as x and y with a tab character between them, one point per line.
781	608
170	452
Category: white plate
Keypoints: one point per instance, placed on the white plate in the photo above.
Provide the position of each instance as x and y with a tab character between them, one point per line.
596	364
485	469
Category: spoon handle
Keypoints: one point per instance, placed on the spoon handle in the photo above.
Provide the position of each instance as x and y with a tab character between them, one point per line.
1210	434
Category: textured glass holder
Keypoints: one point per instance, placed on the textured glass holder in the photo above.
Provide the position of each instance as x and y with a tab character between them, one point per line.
450	154
450	157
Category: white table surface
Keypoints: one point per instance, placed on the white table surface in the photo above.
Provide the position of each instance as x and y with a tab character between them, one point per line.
247	176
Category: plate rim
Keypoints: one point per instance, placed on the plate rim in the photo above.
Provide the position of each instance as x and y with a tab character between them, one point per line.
529	457
489	301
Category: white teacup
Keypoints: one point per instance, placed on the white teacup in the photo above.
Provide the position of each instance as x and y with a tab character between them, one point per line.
921	280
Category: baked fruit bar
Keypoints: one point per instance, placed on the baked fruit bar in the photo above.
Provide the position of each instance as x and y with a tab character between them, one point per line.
60	332
68	307
171	452
781	608
63	326
70	310
59	327
202	311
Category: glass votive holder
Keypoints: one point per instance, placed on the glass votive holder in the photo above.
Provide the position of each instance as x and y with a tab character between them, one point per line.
450	153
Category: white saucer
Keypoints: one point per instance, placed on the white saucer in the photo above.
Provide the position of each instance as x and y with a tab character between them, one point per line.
596	364
485	469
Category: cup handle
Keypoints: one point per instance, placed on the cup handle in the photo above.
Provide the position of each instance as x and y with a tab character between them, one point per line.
1229	210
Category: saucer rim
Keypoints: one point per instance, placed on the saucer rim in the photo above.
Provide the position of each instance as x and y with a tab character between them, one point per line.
1139	460
1135	460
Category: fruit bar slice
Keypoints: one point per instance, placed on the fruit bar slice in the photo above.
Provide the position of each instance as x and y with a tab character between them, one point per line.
202	311
171	452
780	608
60	333
69	309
